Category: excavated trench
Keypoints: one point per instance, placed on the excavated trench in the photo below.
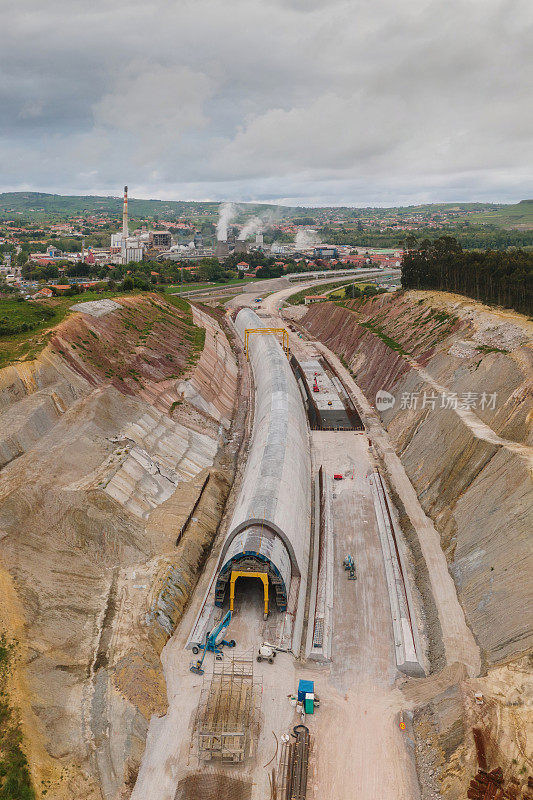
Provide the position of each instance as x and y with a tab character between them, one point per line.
476	490
471	464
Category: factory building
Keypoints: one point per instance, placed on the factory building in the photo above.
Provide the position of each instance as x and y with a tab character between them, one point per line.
126	248
187	254
240	247
270	528
325	252
132	252
222	250
160	239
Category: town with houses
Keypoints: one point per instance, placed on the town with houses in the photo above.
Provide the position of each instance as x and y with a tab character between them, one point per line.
45	259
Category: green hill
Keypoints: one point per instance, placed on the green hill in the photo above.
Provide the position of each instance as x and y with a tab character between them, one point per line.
516	216
38	205
35	204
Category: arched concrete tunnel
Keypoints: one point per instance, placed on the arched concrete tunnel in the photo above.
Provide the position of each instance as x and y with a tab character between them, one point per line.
270	528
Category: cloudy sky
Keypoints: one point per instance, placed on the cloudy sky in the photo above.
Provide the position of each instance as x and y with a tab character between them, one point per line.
358	102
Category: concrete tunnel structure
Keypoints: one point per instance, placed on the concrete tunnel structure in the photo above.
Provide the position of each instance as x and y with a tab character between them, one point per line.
270	528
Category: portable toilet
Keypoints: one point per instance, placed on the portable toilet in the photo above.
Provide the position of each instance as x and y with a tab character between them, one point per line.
309	703
305	687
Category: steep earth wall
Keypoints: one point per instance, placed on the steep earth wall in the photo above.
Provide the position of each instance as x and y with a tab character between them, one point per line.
102	461
469	458
471	468
211	387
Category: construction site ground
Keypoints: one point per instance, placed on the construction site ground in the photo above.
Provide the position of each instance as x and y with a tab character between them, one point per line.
358	748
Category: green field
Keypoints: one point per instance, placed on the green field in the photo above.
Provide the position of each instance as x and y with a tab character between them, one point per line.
39	318
340	293
517	216
21	316
298	298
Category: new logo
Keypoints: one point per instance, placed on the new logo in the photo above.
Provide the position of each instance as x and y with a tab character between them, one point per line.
384	400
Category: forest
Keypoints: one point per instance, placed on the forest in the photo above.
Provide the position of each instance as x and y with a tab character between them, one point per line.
471	236
503	278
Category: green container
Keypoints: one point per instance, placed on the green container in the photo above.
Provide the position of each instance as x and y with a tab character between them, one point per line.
309	703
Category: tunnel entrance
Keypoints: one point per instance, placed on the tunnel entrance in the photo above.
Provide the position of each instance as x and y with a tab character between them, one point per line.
239	575
250	570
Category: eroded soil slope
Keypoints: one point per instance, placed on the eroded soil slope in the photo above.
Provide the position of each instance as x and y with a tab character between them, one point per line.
103	459
471	466
460	375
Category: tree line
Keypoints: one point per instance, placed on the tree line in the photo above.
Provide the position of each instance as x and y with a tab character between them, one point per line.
469	235
503	278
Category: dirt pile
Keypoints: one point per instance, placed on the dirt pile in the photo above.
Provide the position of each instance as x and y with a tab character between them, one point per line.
213	786
98	479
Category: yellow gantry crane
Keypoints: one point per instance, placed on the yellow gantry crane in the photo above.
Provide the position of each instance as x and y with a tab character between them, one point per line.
263	576
284	334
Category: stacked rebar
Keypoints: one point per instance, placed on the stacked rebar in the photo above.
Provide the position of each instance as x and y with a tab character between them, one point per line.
298	763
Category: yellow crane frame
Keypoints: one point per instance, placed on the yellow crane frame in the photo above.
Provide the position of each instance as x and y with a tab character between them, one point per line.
263	576
283	331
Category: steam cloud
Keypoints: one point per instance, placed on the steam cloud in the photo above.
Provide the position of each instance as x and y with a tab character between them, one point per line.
254	225
226	212
306	237
258	223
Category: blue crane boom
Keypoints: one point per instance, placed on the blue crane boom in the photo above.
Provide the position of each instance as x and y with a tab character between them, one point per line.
213	643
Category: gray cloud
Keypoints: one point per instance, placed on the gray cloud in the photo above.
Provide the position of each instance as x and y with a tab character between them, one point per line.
359	101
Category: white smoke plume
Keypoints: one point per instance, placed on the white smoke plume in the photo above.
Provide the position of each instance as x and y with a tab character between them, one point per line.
306	237
254	225
226	213
257	224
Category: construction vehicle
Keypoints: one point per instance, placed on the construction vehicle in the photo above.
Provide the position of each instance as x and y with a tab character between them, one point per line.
267	652
213	643
349	566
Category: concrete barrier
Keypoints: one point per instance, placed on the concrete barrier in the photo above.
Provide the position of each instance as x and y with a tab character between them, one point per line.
406	637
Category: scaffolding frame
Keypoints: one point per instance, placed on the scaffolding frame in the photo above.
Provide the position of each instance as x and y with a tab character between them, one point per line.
228	711
284	334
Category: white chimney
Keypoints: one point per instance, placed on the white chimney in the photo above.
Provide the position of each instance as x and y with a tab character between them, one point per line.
125	232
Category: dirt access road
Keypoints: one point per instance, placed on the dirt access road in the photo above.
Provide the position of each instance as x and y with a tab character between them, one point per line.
360	750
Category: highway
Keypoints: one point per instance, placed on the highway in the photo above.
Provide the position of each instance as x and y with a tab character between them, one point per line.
262	287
